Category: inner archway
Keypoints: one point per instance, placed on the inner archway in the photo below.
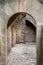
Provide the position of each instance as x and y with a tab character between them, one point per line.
30	33
22	34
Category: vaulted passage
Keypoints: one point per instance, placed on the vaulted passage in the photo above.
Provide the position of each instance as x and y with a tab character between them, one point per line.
30	32
21	39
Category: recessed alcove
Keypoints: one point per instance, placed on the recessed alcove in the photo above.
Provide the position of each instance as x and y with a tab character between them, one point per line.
23	26
30	32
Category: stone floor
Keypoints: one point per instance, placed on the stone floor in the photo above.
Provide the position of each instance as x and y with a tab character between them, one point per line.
22	54
2	59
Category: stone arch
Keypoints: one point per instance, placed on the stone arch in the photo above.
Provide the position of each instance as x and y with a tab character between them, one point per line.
12	21
28	17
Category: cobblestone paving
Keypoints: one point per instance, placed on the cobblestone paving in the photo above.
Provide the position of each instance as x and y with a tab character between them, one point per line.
22	54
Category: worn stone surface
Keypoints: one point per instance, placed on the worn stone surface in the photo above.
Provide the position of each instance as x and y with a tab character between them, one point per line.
22	54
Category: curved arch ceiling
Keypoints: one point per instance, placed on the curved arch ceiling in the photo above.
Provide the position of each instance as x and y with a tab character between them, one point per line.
28	17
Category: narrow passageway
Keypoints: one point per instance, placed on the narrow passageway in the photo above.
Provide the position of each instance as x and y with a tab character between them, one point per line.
21	40
22	54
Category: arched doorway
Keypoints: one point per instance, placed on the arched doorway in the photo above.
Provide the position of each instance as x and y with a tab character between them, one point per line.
21	30
23	24
30	33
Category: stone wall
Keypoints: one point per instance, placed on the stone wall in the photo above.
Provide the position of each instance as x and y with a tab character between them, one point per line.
30	33
39	45
33	7
5	13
